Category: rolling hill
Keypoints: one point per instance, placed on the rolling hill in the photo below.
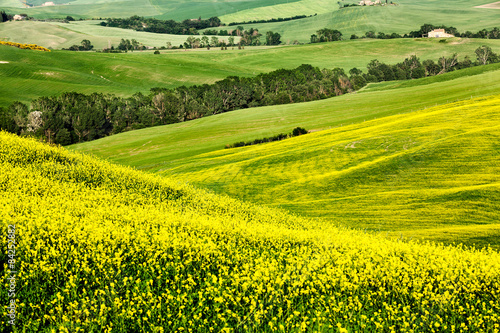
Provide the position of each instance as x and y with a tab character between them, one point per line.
31	74
402	17
299	178
102	247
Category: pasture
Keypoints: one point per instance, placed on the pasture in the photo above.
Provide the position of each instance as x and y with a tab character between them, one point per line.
193	152
30	74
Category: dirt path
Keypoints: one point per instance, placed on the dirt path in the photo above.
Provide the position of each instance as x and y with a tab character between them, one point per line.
494	5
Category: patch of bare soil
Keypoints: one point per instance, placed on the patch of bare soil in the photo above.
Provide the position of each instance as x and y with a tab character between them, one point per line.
494	5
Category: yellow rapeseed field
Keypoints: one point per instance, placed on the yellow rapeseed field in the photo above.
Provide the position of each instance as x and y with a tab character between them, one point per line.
104	248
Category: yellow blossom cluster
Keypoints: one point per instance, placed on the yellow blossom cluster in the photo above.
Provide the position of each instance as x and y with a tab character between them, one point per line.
104	248
25	46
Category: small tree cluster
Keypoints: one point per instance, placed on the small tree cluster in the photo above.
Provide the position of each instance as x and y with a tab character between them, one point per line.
296	132
86	45
326	35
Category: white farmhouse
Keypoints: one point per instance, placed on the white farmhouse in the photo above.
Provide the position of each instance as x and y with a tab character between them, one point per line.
439	33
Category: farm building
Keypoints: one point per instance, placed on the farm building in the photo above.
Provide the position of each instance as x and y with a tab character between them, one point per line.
439	33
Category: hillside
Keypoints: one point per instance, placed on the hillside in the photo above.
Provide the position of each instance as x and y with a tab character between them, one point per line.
100	246
193	152
31	74
403	17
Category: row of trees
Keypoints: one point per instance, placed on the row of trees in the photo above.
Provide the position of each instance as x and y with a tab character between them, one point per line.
85	45
248	37
296	132
426	28
279	19
186	27
74	117
329	35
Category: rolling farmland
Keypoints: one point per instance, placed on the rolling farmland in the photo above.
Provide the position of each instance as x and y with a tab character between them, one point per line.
28	75
193	151
104	247
383	218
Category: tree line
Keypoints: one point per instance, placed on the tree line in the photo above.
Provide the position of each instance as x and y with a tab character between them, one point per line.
296	132
186	27
279	19
426	28
73	117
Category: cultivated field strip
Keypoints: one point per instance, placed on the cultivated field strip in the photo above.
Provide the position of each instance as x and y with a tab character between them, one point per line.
104	248
434	168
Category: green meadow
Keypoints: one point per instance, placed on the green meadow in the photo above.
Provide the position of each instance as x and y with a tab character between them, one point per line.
402	17
164	9
30	74
406	16
380	159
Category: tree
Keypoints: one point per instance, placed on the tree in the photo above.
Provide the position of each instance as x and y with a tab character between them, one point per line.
273	38
63	137
7	121
447	64
483	54
370	34
4	17
86	45
135	44
204	41
329	35
124	45
35	121
230	41
314	38
214	41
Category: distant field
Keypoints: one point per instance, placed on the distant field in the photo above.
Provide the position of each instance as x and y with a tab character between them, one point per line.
165	9
407	16
404	17
63	35
30	74
193	152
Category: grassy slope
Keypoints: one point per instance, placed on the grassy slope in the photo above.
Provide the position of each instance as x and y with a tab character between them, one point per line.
433	169
181	149
100	246
164	9
25	76
63	35
406	16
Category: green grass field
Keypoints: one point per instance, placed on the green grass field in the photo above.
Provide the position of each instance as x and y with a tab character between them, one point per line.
30	74
407	16
163	9
404	17
193	152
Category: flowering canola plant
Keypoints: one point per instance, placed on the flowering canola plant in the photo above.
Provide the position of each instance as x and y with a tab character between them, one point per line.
25	46
104	248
